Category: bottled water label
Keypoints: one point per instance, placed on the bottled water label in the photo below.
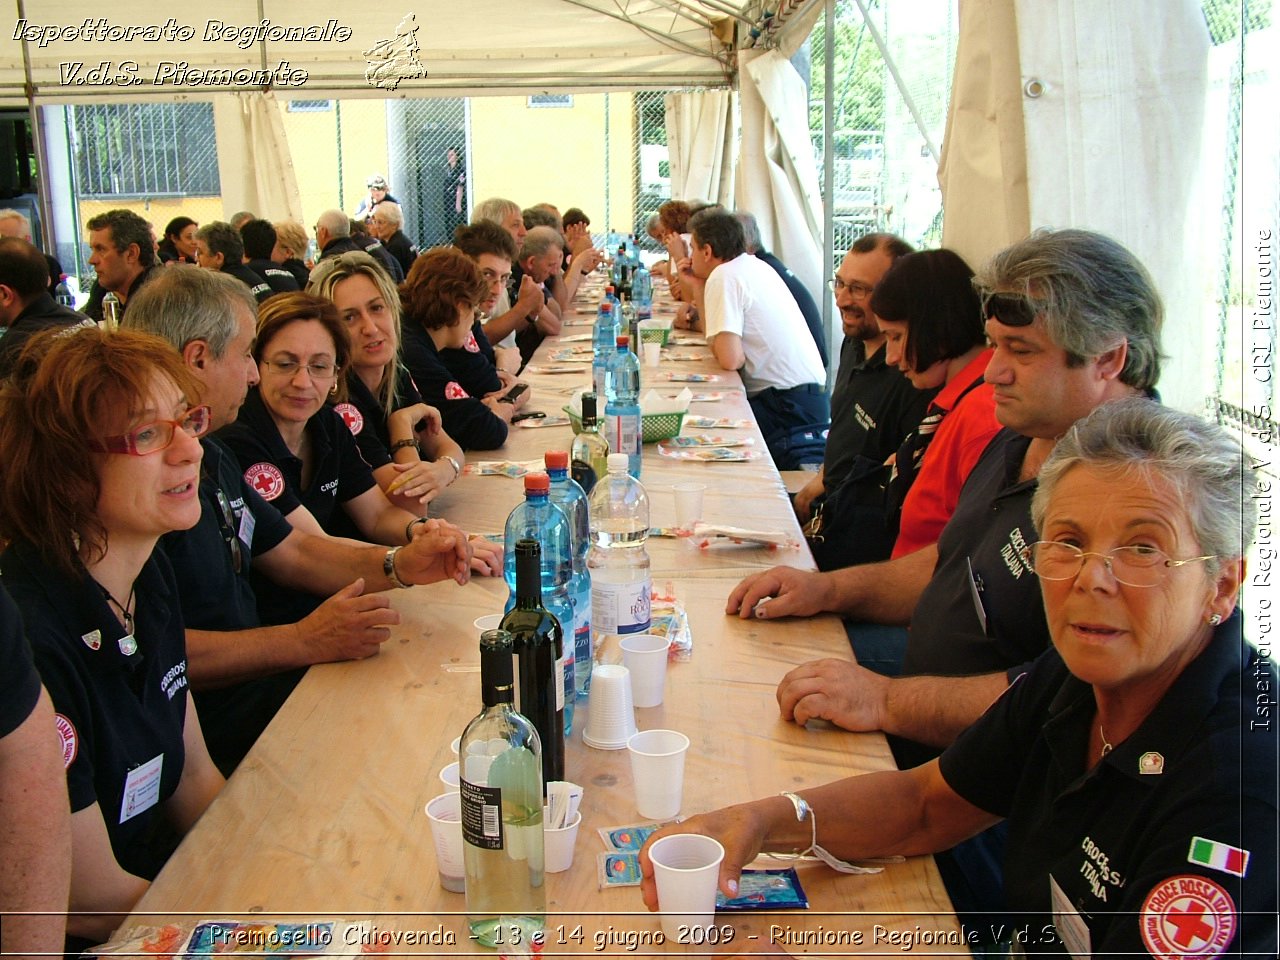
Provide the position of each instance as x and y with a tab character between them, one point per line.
623	433
620	607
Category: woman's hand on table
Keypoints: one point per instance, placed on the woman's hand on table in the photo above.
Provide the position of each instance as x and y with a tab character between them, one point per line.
350	625
421	482
740	829
508	362
438	551
486	557
404	422
780	592
850	696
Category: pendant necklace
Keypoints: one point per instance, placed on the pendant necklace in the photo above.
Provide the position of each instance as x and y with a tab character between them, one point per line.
1106	747
128	644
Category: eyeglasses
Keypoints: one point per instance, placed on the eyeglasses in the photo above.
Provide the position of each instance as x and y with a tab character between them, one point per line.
157	435
1011	309
856	289
229	530
287	368
1134	566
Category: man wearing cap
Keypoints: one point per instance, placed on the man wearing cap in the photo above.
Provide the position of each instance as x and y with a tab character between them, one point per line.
378	192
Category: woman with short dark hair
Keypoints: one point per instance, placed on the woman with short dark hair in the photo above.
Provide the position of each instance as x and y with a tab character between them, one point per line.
179	242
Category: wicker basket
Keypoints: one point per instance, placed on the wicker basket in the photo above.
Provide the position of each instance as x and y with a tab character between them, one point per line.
653	426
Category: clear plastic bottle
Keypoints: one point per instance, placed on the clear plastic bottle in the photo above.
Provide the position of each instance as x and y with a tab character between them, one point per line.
571	498
539	519
604	335
62	293
621	584
642	292
500	787
590	452
622	412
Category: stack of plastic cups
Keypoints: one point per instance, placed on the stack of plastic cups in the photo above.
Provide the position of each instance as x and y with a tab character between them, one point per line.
611	719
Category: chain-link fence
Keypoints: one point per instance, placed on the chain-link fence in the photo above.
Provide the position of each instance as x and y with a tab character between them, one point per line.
892	75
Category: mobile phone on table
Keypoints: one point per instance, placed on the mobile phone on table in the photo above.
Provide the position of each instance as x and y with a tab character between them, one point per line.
528	415
514	394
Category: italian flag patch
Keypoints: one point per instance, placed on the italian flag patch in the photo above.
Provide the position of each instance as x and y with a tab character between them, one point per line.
1218	856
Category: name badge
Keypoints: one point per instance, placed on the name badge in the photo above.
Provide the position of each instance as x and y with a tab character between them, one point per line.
1069	924
141	788
247	523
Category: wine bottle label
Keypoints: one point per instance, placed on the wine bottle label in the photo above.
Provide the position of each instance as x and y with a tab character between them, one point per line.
481	815
619	607
584	475
564	670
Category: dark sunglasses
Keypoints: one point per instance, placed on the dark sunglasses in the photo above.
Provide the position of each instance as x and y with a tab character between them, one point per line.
1011	309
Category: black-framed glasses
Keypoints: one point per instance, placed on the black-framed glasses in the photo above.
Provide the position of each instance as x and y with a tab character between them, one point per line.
229	529
157	435
1011	309
856	289
1137	565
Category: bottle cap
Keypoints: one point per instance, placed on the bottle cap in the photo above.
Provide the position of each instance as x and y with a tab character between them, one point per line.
618	463
623	340
556	459
536	483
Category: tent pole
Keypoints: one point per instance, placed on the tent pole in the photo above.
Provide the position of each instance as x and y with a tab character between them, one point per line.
897	80
829	178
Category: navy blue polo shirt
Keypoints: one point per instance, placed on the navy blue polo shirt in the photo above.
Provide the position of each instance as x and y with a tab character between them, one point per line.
366	417
473	425
117	717
473	365
1102	860
338	473
19	683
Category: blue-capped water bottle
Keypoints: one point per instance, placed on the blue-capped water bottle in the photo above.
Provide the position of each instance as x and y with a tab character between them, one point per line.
622	412
537	518
572	499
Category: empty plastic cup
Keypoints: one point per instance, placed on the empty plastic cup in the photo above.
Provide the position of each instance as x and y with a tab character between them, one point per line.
445	815
645	655
686	869
652	354
611	720
688	504
657	772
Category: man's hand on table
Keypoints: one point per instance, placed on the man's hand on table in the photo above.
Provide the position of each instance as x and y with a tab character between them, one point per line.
438	551
350	625
840	691
806	495
740	829
780	592
486	557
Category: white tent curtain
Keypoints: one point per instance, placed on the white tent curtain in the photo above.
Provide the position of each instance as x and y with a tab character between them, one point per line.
254	163
702	135
983	169
777	174
1113	144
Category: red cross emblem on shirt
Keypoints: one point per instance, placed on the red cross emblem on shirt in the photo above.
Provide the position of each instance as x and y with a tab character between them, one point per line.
266	478
1187	916
352	417
471	346
453	391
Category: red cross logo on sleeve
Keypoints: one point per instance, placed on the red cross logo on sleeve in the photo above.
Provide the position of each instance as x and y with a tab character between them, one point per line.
471	346
352	417
1187	916
453	391
265	478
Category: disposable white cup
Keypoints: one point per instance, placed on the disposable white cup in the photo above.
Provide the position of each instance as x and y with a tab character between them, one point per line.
611	720
657	772
652	353
489	622
558	844
645	655
686	868
688	504
445	814
449	776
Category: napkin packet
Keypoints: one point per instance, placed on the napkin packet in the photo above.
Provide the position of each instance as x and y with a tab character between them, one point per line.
708	535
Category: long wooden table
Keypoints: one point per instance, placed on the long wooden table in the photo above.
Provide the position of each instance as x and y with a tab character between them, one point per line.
325	817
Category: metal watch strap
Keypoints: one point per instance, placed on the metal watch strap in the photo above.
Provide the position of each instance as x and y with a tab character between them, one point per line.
389	568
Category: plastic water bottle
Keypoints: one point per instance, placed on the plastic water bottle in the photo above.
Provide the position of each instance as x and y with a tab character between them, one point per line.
603	339
62	293
570	497
621	584
537	518
622	411
642	292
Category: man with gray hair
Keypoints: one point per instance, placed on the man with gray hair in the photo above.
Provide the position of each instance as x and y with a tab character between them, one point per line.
219	246
240	670
333	237
387	224
541	254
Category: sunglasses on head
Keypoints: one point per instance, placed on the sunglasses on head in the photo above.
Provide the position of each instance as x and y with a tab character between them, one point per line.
1011	309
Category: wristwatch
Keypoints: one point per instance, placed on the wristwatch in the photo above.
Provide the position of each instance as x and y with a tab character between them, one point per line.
407	442
389	569
457	467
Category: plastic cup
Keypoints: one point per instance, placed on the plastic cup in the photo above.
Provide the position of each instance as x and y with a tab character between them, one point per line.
449	776
688	504
489	622
558	844
645	655
657	772
686	868
445	814
611	720
652	353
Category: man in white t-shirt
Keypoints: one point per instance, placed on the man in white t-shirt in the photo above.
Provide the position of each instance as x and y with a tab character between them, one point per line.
754	326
